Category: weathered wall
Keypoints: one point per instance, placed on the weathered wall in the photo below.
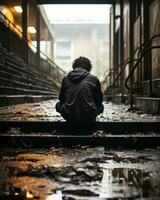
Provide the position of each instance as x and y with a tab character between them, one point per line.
154	16
126	32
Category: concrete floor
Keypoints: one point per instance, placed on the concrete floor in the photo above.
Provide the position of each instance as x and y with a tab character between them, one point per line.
45	111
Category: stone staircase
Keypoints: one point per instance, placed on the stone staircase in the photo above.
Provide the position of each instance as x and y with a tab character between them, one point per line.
141	96
146	102
115	95
20	83
111	135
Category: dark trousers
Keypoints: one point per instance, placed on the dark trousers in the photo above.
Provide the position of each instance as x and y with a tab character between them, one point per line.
59	108
100	109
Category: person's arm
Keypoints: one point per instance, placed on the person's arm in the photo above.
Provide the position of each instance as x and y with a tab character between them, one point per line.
99	95
62	93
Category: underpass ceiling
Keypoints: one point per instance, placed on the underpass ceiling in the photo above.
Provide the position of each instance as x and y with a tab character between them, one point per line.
75	1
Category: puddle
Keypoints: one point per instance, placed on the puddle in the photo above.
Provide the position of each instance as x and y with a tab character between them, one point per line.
81	173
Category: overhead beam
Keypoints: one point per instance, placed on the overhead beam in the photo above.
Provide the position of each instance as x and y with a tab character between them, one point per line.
75	1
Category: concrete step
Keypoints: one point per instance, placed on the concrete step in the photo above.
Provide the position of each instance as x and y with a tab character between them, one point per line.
62	134
11	70
11	59
8	100
13	83
6	90
128	128
23	79
30	71
12	56
117	98
155	87
24	73
41	74
109	142
149	105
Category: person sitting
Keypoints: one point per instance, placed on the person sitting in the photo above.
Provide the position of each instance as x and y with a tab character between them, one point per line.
80	98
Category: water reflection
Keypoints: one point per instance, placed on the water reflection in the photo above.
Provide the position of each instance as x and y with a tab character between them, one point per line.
56	196
121	183
85	174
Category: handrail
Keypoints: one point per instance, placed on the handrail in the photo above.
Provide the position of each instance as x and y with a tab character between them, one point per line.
49	59
139	60
129	60
126	62
124	66
28	41
151	39
147	44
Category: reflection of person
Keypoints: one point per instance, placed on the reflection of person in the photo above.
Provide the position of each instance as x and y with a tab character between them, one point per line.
80	98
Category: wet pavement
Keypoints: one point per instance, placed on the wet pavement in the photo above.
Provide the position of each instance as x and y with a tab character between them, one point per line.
82	173
45	111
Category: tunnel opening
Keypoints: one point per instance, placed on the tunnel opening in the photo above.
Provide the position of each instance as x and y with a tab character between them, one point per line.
77	28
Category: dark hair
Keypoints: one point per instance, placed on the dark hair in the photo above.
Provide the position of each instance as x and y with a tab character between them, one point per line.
82	62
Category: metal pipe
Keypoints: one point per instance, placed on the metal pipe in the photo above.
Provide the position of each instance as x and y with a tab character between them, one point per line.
129	61
139	60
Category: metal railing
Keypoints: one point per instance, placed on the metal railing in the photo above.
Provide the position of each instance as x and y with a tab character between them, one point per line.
11	41
142	53
138	50
141	50
128	61
124	65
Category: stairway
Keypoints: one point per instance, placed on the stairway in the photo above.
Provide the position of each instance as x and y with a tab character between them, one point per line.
146	102
111	135
20	83
114	95
142	99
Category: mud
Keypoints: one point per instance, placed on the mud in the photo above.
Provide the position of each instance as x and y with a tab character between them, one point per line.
79	173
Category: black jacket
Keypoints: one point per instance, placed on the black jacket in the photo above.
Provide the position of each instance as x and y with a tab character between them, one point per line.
80	95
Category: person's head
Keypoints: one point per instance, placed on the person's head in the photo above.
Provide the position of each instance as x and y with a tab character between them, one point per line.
82	62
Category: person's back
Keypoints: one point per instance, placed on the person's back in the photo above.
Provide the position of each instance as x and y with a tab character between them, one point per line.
80	96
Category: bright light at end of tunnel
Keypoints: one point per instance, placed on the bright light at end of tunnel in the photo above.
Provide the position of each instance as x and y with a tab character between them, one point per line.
31	29
78	13
18	9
